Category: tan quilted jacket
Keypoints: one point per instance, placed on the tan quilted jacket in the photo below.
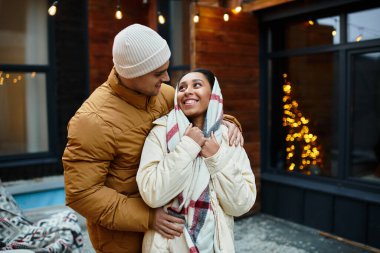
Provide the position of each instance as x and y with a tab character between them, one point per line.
105	139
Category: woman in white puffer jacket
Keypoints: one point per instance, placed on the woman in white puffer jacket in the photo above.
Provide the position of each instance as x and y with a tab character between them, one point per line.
188	166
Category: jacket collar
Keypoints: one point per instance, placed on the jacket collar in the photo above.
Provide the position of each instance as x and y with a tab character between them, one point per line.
132	97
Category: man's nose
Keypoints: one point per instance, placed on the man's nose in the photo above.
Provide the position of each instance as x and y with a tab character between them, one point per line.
165	77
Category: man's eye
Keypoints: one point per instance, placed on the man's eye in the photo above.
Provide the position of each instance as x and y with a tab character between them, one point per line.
197	84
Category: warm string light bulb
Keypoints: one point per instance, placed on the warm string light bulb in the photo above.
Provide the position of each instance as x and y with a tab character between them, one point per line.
161	18
196	18
53	9
333	32
226	17
118	13
359	38
237	9
9	78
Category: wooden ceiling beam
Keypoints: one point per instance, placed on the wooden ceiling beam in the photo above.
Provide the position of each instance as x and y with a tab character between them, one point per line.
262	4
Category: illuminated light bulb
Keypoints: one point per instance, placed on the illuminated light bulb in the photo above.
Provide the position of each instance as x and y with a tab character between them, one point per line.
196	18
2	81
287	88
226	17
19	77
7	76
53	9
333	33
161	18
33	75
291	167
311	22
237	9
284	75
359	38
14	80
118	13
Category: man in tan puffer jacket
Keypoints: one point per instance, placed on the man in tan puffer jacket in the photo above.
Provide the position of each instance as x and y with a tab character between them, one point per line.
105	139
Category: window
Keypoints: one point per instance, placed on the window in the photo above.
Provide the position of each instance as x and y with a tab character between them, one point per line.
306	33
363	25
324	95
304	107
23	77
365	126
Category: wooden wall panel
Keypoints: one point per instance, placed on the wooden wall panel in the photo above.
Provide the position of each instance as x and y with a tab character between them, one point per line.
103	26
231	50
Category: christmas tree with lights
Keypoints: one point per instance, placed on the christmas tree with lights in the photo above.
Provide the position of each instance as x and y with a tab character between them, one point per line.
303	153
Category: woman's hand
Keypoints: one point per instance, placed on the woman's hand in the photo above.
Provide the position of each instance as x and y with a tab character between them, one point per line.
234	134
210	147
196	134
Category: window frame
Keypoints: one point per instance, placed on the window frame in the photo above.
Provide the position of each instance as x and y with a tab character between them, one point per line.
49	156
344	49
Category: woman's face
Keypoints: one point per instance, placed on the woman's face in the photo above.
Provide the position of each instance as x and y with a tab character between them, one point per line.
194	92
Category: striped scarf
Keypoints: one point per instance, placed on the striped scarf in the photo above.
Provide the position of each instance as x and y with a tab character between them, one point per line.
194	202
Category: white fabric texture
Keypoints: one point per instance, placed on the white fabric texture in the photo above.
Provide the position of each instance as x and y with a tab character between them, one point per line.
162	176
138	50
194	201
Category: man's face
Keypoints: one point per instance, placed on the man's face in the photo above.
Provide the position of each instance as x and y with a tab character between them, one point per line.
150	83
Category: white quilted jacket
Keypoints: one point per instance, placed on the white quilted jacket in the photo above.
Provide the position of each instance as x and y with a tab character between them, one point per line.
162	176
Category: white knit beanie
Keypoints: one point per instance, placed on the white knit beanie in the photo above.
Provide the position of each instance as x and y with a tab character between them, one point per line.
138	50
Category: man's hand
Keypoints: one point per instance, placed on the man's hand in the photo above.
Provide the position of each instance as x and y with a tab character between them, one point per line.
196	134
234	134
167	225
210	147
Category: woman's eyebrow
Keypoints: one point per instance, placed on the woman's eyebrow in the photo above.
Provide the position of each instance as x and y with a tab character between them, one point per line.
192	81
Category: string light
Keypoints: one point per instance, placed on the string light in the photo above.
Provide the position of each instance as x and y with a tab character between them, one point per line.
333	33
310	22
360	36
53	9
118	13
237	9
302	151
196	17
9	78
161	18
226	17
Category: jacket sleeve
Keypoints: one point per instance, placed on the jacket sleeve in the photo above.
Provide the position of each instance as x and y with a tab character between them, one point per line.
86	160
232	178
162	176
233	120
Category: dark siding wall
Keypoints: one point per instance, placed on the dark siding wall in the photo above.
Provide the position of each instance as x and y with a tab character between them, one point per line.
71	74
351	218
